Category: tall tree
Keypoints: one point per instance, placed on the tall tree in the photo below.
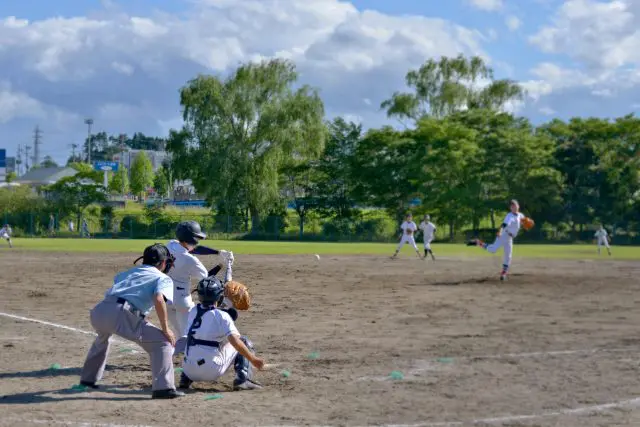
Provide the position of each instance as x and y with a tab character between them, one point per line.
48	162
119	183
72	195
162	181
239	132
442	87
334	169
141	174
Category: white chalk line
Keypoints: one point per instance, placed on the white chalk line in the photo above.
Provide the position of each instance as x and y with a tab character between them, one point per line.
630	403
633	403
68	328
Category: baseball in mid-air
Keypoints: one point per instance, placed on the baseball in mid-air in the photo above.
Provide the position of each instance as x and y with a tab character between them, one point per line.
318	257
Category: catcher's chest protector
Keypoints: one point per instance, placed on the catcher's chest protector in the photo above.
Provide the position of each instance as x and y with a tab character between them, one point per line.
197	322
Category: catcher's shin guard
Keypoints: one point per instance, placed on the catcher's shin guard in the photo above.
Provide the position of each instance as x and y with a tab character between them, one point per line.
242	366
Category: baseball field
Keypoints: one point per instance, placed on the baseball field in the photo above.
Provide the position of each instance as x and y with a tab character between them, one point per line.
360	339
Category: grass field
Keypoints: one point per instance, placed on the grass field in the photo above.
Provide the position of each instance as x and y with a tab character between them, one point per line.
285	248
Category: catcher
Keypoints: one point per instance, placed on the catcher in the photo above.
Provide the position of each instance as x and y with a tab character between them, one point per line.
214	343
508	231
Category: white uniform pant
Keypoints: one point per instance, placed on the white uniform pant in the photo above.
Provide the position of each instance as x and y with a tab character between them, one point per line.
505	241
216	362
178	310
4	236
603	241
427	242
407	240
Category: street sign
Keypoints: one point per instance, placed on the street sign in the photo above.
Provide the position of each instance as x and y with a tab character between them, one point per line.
105	166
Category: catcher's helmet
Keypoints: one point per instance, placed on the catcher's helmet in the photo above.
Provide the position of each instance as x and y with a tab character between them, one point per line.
211	290
190	232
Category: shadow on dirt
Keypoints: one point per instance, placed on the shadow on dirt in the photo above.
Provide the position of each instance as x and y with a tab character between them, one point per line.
61	395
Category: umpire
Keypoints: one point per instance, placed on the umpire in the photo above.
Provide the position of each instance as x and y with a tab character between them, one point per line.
123	312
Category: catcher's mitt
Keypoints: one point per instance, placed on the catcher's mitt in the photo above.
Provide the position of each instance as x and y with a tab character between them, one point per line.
527	223
238	294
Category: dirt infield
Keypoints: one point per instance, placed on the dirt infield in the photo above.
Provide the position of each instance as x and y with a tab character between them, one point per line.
547	348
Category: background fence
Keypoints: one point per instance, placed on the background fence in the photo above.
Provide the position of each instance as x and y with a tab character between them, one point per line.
375	227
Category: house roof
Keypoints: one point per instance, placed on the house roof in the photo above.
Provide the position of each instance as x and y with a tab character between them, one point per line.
46	176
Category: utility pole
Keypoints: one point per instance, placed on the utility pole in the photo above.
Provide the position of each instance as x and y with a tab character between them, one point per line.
26	158
121	165
19	161
73	151
89	123
37	135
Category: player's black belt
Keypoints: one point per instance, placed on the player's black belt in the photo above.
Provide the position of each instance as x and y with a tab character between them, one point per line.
195	341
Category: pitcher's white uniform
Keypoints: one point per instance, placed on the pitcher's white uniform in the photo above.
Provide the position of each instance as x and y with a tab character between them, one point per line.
186	267
602	238
510	231
409	229
205	363
428	232
5	232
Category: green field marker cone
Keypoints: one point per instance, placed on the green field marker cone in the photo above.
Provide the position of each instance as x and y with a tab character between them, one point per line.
445	360
213	397
396	375
178	370
126	350
286	374
313	355
55	366
79	387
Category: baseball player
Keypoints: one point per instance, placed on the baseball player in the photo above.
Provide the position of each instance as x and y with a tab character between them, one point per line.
409	228
187	267
507	232
52	225
123	312
602	239
5	233
85	229
214	342
428	233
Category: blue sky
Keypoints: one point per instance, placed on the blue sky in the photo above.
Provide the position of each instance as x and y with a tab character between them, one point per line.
122	62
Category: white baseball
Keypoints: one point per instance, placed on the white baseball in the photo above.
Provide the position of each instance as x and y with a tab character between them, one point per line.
318	257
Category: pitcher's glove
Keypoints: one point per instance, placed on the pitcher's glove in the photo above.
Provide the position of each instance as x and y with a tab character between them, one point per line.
238	294
527	223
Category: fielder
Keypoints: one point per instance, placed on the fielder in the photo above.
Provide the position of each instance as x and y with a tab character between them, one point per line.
428	232
5	233
602	238
123	313
214	342
409	228
187	267
508	231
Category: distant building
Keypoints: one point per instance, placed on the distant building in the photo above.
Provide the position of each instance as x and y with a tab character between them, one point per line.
10	164
38	177
128	157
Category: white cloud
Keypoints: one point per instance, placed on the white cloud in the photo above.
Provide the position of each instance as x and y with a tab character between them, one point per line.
547	111
489	5
513	22
125	71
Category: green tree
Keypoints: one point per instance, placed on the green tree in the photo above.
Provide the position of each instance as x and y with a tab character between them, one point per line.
442	87
299	184
10	177
48	162
240	132
162	181
334	170
141	174
72	195
119	183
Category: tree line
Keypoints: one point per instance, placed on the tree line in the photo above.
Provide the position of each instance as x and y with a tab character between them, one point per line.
257	140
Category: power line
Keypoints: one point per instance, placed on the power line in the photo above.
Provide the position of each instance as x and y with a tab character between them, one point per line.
37	134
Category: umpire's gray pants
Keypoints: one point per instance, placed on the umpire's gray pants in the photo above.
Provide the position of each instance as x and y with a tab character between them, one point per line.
110	318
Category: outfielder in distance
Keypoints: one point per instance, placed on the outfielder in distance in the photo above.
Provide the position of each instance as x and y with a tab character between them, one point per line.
428	232
5	233
602	239
409	229
508	231
186	267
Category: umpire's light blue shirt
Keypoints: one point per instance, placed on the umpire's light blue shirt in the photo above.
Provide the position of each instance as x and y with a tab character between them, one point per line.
139	286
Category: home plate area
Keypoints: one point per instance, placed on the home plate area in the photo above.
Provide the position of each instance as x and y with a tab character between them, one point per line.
354	340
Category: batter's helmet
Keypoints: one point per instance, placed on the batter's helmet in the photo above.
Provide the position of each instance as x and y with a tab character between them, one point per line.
190	232
211	290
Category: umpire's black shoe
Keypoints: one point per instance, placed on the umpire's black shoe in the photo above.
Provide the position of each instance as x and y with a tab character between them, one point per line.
166	394
185	382
90	384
